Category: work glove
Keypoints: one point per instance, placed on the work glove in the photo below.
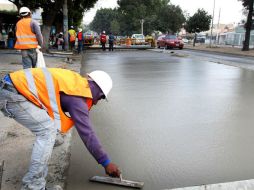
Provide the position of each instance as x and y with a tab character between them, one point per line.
112	170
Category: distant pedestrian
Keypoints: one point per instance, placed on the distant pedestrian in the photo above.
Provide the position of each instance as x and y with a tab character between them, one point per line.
80	40
28	34
111	40
60	41
72	37
103	39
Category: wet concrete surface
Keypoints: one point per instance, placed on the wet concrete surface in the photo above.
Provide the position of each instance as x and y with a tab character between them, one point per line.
170	121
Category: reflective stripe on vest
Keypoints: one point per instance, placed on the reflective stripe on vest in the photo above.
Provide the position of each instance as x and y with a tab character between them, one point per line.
27	36
51	93
26	39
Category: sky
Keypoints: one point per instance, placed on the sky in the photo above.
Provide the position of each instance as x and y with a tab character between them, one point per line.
231	10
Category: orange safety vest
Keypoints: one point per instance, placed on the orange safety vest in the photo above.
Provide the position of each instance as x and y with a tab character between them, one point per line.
42	86
72	34
26	39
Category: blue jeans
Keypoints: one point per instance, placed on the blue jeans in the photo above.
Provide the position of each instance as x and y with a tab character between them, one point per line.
29	58
80	46
40	124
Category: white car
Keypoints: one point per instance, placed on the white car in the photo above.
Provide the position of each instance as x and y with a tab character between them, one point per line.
186	41
137	39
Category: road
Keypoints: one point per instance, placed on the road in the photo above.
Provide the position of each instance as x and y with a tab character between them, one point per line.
171	120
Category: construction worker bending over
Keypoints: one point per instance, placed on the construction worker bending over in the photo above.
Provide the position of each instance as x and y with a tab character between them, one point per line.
38	99
28	37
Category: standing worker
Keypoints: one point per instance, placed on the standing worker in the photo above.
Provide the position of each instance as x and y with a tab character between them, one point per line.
28	34
38	99
72	37
111	40
103	39
80	40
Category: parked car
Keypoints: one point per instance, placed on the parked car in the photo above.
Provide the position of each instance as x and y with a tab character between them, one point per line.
185	40
169	42
160	39
138	39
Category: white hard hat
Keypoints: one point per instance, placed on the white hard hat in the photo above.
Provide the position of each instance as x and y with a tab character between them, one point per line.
103	32
80	29
103	80
23	11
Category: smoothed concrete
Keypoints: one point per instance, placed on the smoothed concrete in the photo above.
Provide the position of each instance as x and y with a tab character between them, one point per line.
170	121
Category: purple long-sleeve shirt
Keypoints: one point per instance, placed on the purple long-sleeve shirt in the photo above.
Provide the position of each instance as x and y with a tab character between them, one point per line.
78	110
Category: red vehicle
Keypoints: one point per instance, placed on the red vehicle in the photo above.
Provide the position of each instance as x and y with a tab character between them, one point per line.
169	42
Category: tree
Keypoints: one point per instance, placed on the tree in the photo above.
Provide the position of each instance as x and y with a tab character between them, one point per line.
171	19
53	10
105	19
248	4
115	27
157	15
199	22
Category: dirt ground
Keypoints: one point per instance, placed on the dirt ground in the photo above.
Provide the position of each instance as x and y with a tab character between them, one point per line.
16	141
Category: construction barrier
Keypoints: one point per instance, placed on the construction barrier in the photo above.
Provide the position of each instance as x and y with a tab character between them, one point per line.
128	42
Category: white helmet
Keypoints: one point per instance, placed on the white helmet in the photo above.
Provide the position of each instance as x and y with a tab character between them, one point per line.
24	11
103	80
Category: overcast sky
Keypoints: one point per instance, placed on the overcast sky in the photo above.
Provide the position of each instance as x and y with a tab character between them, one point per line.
231	10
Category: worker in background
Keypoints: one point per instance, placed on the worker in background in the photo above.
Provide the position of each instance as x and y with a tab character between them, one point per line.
39	99
103	39
60	41
111	39
72	37
80	40
28	37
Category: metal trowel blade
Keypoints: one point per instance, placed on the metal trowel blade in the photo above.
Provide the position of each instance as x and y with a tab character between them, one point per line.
117	181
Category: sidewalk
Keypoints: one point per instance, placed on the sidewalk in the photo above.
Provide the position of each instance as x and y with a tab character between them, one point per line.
220	49
16	141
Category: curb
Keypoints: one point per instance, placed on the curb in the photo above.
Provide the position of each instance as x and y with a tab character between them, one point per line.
218	52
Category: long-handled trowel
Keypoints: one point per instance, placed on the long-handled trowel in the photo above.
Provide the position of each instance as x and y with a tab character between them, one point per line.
117	181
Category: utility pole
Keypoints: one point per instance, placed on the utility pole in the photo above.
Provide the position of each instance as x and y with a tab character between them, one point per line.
218	28
142	23
65	26
212	25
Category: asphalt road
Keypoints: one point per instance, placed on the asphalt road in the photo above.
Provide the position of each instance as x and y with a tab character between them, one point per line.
171	121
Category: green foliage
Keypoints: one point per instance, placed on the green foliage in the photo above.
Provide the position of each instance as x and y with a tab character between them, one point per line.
199	22
133	11
105	19
171	19
115	27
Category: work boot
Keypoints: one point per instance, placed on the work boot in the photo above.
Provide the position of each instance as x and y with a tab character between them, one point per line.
55	187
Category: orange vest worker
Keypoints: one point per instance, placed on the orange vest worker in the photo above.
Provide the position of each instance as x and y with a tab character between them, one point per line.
42	86
26	39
